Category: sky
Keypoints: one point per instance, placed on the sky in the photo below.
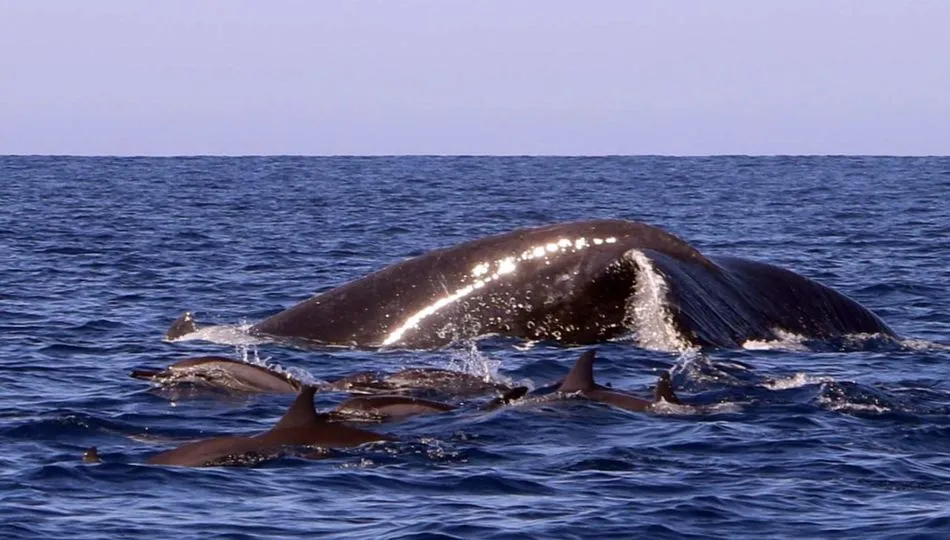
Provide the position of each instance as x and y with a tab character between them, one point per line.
502	77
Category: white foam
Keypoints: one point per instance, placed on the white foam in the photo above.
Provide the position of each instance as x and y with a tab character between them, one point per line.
473	362
647	310
863	340
526	345
796	381
697	367
848	407
665	408
789	341
923	345
786	341
250	354
224	334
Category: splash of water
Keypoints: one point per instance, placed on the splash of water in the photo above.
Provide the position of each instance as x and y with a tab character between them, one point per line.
474	362
647	310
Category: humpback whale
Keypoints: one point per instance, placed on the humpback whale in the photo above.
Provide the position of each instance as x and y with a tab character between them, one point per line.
573	283
300	426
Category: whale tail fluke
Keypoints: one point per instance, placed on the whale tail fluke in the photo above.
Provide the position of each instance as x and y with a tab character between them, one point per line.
183	325
664	390
581	376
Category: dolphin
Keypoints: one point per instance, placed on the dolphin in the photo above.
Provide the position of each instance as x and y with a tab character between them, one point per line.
508	398
441	381
300	426
92	455
223	373
388	408
581	380
218	372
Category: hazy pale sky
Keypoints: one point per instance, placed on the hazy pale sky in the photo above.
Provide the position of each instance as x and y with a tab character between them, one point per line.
171	77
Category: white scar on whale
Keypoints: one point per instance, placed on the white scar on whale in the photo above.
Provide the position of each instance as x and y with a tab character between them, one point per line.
503	267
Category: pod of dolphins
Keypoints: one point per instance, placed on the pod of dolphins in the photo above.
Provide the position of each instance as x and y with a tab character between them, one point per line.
302	427
569	283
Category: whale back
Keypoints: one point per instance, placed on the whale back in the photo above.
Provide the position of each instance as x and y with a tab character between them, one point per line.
539	283
573	283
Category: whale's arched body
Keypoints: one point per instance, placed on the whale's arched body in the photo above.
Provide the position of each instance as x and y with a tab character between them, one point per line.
578	282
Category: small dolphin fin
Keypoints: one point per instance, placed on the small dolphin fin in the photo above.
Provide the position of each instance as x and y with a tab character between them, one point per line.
301	413
92	455
507	398
664	390
145	374
514	394
182	326
581	376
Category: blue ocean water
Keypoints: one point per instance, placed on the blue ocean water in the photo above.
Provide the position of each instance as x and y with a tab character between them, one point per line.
787	439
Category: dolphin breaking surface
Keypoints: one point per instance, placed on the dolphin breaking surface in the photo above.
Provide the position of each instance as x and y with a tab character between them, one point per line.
301	425
576	283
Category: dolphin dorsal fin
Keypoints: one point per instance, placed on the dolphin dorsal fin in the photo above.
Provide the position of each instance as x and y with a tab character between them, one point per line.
581	376
301	413
92	455
664	389
514	394
507	398
183	325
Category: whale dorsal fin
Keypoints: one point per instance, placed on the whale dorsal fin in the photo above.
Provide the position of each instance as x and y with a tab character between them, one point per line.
664	389
301	413
581	376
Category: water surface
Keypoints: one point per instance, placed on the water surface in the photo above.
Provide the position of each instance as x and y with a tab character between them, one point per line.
786	439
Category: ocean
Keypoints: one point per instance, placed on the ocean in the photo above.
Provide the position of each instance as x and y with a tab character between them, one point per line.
780	439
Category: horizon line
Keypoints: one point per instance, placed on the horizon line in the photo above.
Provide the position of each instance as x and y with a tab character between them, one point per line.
437	155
